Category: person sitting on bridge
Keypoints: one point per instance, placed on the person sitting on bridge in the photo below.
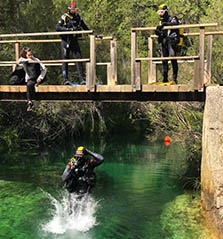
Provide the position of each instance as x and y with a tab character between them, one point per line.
71	21
79	176
168	40
35	73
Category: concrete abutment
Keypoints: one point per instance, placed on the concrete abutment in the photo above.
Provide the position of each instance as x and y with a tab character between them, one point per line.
212	159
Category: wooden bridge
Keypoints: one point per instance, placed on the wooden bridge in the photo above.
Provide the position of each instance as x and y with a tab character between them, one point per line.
113	91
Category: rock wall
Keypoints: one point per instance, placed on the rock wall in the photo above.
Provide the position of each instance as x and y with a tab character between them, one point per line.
212	159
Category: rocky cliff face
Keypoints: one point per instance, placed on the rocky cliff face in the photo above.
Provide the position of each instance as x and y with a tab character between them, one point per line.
212	158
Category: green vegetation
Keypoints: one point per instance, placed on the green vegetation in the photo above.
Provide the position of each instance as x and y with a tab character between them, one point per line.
187	219
51	123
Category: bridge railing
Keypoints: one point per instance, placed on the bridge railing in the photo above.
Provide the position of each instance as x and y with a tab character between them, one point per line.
207	63
90	62
199	59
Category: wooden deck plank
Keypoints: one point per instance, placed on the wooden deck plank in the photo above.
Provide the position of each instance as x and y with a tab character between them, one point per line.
167	88
9	88
60	88
114	88
99	88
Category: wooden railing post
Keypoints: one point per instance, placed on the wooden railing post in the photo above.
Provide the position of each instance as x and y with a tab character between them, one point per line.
150	62
17	53
17	45
201	55
109	74
196	73
154	72
113	53
92	65
138	75
133	60
207	78
88	81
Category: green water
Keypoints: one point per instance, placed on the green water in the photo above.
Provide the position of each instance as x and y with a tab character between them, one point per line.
136	195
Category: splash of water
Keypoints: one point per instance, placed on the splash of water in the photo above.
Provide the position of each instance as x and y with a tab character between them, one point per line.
81	219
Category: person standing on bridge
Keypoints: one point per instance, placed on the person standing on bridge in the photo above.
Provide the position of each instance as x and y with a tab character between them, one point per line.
71	21
168	40
35	73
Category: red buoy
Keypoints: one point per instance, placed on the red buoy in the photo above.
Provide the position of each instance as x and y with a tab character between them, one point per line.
167	140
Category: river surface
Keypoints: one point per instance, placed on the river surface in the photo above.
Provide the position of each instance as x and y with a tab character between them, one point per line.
136	197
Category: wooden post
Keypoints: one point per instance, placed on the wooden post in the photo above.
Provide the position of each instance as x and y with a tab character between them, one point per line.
109	75
113	53
92	70
17	47
150	63
133	60
205	73
209	60
88	81
138	76
196	73
154	72
201	54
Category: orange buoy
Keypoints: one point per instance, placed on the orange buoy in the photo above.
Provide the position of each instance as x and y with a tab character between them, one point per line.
167	140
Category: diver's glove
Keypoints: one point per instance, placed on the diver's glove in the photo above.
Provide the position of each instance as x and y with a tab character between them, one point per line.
160	27
158	30
95	155
99	36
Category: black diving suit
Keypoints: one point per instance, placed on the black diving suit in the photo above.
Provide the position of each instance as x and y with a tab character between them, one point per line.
79	176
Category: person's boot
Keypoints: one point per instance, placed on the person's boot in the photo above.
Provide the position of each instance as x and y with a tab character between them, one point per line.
165	77
30	106
67	82
175	79
83	82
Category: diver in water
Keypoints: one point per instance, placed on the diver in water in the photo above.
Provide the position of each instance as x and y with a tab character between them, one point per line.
79	176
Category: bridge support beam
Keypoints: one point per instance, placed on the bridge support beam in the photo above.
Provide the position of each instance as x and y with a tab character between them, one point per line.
212	159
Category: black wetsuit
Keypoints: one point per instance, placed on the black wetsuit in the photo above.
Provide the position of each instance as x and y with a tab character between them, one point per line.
168	40
80	176
71	22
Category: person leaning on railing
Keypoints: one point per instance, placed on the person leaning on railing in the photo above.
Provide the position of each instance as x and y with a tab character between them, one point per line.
168	40
35	73
71	21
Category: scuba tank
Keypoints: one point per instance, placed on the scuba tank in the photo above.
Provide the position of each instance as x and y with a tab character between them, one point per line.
181	33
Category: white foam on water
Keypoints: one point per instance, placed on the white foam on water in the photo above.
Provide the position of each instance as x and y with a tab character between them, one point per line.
81	219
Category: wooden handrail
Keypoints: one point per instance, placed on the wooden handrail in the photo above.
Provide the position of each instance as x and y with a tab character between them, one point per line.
194	34
179	61
45	34
167	58
48	61
12	63
30	41
185	26
49	40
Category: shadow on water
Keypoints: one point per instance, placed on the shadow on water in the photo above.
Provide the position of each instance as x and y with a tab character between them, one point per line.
136	188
